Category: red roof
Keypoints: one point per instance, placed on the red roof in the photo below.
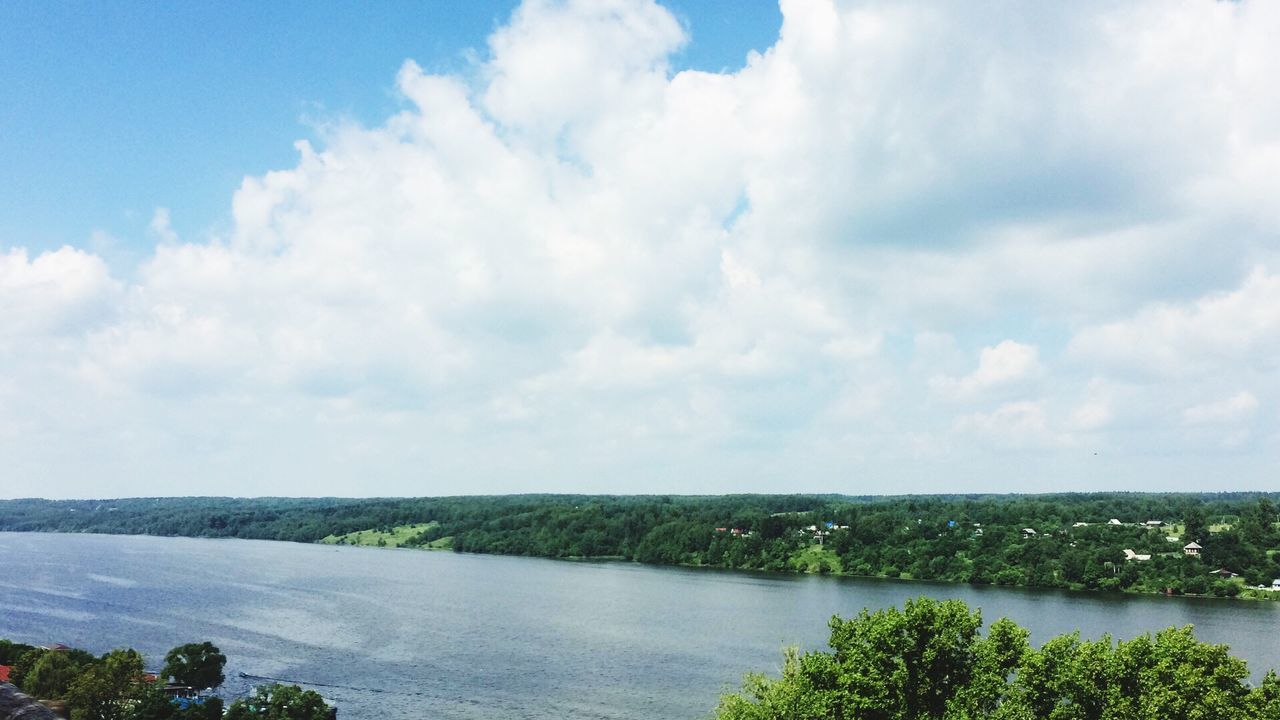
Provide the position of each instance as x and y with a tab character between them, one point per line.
4	673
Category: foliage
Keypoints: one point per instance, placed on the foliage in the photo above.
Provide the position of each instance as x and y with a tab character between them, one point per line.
198	665
10	651
51	674
954	538
280	702
113	686
107	689
929	661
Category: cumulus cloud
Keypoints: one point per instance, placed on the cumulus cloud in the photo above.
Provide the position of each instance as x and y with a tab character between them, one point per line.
1002	365
575	269
59	292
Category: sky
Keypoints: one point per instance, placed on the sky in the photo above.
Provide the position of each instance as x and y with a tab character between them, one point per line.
617	246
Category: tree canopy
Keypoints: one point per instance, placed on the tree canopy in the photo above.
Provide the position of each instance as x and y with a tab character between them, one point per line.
280	702
196	664
978	539
929	661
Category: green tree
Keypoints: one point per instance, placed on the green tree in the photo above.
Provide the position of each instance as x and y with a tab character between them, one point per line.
50	675
280	702
109	688
1197	528
927	662
196	664
10	651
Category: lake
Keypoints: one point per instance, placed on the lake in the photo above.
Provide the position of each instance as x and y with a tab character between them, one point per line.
413	634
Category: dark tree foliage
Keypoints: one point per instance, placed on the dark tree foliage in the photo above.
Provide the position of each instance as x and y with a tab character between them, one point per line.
955	538
198	665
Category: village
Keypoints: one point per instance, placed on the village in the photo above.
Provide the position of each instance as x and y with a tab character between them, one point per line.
821	534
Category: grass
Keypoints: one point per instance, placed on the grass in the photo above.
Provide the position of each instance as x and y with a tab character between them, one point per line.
396	537
816	559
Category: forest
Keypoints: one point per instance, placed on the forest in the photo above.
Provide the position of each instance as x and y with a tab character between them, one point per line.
1098	541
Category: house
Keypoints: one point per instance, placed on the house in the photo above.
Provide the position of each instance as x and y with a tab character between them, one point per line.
1173	538
4	672
1223	573
1154	523
174	690
1192	548
1275	584
1114	521
1028	532
1080	524
1129	554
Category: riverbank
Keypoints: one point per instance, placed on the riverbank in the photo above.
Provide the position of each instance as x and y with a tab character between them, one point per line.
813	561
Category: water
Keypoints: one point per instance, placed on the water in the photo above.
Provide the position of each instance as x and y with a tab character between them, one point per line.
412	634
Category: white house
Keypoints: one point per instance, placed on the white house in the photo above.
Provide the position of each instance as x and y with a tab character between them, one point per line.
1129	554
1114	521
1275	584
1192	548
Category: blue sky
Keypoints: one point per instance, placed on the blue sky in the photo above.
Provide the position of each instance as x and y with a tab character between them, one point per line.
625	246
116	108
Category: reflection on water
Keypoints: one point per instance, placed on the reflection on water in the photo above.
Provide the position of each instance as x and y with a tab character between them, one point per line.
410	634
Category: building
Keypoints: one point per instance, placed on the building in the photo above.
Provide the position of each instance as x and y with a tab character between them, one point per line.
1275	584
1129	554
4	673
1192	548
1114	521
1224	573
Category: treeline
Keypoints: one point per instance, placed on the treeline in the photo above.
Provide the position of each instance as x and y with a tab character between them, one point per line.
1064	540
928	661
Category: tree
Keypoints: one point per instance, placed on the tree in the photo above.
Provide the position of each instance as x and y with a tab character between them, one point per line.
109	688
1197	529
280	702
926	662
50	675
196	664
10	651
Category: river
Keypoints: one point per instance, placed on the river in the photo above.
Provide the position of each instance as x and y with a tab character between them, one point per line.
413	634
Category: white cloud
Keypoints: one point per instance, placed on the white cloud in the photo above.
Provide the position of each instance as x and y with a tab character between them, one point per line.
161	227
548	273
1014	424
57	292
1228	410
1238	328
1002	365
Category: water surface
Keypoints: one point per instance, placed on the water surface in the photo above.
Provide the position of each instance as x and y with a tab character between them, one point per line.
412	634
